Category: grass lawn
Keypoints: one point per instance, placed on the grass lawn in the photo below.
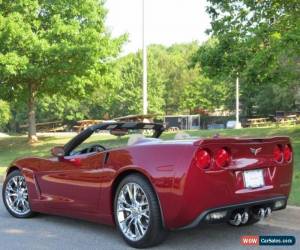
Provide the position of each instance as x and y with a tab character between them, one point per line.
2	171
16	146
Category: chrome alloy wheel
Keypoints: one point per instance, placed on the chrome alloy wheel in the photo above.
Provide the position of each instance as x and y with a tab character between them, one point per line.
133	214
16	195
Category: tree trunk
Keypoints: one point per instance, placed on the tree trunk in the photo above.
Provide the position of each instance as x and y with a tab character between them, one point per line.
32	138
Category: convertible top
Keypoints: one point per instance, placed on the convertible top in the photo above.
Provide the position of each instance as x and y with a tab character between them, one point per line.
81	137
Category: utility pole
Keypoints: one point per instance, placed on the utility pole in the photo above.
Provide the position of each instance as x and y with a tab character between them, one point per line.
145	92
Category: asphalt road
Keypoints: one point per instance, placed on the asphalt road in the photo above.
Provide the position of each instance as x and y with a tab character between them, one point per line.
52	232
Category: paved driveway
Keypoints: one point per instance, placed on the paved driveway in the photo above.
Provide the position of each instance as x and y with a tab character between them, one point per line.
52	232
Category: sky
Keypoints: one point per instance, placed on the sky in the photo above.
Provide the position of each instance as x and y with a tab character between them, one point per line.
166	21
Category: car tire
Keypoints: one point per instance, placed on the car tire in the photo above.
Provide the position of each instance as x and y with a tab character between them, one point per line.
137	212
15	195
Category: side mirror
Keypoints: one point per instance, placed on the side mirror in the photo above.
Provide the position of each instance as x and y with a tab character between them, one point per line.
58	151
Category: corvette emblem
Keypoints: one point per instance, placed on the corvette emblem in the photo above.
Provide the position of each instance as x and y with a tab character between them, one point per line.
255	151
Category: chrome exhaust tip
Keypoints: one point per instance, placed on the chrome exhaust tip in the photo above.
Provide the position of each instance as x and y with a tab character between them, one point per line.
268	212
261	213
237	219
245	218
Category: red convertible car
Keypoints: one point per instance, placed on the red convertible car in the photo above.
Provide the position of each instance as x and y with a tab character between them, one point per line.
151	185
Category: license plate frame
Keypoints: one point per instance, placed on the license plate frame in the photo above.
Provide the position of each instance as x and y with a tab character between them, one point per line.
254	178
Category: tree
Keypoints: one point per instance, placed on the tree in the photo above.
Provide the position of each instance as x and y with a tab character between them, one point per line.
5	114
128	93
203	93
178	74
50	47
168	74
260	40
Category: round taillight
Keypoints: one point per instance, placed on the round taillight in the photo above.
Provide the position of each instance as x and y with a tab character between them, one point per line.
222	158
287	153
278	154
203	159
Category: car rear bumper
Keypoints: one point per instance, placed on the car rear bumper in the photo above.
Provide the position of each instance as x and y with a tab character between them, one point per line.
229	210
204	190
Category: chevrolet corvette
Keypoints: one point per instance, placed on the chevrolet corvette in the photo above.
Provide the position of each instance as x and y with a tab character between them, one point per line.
151	186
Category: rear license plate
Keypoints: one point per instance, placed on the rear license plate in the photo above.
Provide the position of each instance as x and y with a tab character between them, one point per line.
254	178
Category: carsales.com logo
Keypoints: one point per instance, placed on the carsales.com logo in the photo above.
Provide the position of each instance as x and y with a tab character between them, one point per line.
250	240
273	240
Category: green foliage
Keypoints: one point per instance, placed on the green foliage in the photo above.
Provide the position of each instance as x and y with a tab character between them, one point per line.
59	108
169	75
119	91
260	40
59	56
174	65
50	47
203	93
5	114
129	94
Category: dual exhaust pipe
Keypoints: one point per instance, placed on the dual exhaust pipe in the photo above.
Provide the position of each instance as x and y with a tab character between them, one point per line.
263	213
242	218
239	218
